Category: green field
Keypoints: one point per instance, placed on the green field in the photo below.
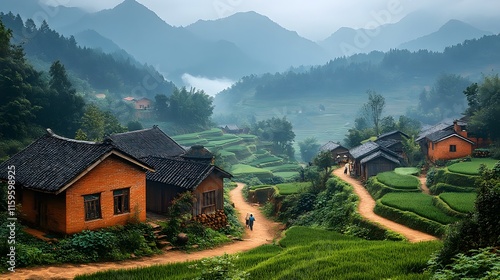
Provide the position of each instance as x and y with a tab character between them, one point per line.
398	181
407	171
472	167
306	253
418	203
260	187
245	152
247	170
291	188
460	202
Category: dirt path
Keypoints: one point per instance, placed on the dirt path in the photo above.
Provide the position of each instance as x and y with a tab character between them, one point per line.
264	232
423	184
366	205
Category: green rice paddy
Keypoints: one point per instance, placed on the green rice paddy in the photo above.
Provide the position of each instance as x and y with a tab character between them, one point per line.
306	253
418	203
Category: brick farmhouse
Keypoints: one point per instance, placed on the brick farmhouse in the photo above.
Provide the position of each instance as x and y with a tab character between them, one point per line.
66	186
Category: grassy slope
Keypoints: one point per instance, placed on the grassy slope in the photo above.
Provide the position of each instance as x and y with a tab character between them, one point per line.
461	202
307	253
418	203
472	167
398	181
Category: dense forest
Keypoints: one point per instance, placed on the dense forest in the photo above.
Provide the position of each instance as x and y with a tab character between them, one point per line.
104	72
373	70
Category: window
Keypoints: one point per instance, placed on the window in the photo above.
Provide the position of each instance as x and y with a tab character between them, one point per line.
121	201
208	203
453	148
92	204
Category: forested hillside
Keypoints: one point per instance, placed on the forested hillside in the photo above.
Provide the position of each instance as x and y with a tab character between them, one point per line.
101	71
393	69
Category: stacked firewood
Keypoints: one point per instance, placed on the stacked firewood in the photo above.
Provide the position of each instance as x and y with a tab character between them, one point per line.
214	221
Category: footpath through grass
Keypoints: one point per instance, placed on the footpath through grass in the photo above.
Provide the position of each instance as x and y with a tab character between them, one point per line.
306	253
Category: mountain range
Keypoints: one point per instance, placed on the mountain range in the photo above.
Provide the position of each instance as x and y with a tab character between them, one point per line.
235	46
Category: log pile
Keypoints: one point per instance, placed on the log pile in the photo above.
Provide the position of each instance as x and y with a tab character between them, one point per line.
214	221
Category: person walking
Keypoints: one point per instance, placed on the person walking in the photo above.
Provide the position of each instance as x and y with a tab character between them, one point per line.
251	219
246	219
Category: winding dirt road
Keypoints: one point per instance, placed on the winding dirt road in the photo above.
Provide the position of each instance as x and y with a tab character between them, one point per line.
367	204
264	232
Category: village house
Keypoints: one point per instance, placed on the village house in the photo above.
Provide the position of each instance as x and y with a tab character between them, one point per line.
231	128
338	152
449	140
370	158
66	186
176	170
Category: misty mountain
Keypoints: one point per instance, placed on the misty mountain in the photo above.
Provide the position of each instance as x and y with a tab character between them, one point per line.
122	76
174	50
394	69
57	16
92	39
347	41
451	33
262	39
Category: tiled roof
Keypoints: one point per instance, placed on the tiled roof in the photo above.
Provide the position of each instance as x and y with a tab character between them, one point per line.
147	142
435	128
181	173
52	162
382	136
444	134
198	152
387	143
330	146
380	154
363	149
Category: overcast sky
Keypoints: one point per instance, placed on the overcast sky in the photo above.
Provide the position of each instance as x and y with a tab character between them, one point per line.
313	19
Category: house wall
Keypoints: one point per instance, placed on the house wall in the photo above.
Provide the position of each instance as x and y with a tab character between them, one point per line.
159	196
212	182
142	104
53	215
376	166
111	174
441	150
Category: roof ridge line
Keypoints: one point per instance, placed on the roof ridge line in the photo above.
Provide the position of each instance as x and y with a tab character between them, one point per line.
52	134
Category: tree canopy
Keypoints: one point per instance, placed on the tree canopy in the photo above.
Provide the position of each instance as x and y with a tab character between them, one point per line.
484	107
192	108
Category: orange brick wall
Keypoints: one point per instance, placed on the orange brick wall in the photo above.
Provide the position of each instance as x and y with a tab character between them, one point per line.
28	206
55	213
113	173
442	149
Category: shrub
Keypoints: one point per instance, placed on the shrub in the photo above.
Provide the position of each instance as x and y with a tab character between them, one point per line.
220	267
476	264
95	244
